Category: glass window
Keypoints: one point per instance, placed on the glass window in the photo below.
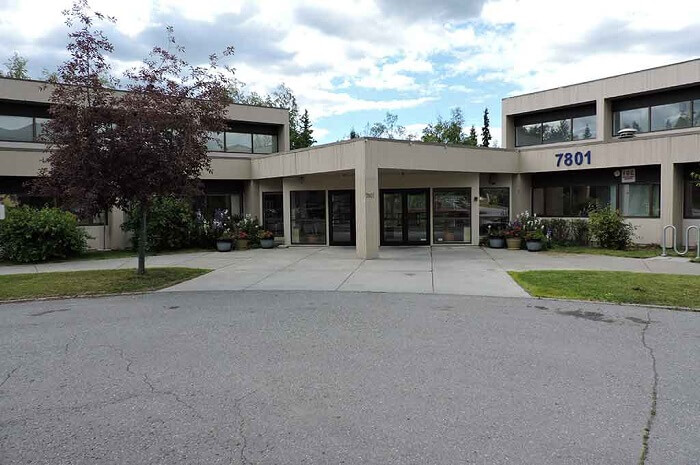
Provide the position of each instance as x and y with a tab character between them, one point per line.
452	215
17	128
637	119
691	199
39	127
538	201
529	134
215	142
264	143
556	131
571	201
273	219
239	142
494	207
217	206
671	116
308	215
640	200
696	112
584	128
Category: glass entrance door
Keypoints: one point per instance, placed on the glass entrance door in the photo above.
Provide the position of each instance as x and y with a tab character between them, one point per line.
405	217
342	217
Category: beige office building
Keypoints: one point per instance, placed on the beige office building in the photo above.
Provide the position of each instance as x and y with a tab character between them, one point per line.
562	151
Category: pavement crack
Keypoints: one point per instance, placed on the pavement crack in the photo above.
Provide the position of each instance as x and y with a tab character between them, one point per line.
241	426
9	375
654	394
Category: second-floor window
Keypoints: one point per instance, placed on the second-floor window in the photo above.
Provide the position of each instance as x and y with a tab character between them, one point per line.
21	128
551	127
651	118
242	142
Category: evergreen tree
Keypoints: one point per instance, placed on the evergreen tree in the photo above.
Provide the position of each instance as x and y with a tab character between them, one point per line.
353	134
587	133
306	134
485	132
16	67
472	140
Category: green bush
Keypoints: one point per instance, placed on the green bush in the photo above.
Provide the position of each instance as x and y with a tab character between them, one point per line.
171	225
567	232
31	235
580	232
610	230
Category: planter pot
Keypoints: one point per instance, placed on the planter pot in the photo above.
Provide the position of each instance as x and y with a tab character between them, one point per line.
267	243
241	244
224	245
533	246
513	243
497	242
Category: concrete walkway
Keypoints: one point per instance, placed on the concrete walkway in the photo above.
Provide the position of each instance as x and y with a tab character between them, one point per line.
461	270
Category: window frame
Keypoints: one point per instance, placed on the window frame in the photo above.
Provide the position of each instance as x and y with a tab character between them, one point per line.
651	199
694	103
439	190
570	197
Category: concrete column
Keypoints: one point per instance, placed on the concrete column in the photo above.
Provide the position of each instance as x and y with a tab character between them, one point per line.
252	199
671	200
520	194
604	123
287	211
367	204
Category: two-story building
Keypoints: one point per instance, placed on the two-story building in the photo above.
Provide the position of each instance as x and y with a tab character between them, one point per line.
561	153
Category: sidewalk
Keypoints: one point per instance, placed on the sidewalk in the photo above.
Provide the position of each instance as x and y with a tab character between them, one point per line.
462	270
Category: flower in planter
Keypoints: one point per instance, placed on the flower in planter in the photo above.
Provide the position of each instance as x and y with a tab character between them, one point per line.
264	234
536	235
242	236
227	235
495	232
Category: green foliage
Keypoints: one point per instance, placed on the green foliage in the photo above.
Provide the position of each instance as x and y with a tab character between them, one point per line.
305	138
472	139
447	131
610	230
251	227
387	129
567	232
31	235
16	67
485	131
170	225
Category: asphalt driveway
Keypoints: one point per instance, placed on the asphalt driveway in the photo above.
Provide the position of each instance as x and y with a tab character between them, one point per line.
329	377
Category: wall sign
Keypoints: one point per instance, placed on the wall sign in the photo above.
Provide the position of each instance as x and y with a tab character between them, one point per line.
570	159
629	175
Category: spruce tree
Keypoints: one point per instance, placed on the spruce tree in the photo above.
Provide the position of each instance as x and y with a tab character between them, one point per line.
306	133
485	132
473	139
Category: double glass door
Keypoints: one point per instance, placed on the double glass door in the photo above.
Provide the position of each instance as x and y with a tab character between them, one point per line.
405	217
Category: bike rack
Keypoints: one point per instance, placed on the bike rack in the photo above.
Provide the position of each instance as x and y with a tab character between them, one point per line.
687	240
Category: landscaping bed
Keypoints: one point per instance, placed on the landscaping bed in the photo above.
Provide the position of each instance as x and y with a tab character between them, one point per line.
613	286
93	282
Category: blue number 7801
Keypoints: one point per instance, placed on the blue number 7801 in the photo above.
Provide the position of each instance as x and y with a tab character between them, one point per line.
571	159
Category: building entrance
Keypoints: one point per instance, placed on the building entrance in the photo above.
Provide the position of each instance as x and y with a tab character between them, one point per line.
405	215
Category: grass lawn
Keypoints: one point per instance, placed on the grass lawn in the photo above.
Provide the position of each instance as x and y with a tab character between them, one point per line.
94	282
613	286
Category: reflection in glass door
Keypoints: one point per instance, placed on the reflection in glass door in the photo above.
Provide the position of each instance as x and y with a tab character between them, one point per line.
405	217
342	217
392	217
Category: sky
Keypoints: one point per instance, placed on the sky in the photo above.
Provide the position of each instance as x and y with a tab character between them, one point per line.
350	62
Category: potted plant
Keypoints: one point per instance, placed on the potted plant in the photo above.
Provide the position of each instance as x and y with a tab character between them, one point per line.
534	240
224	243
496	238
513	235
242	240
267	239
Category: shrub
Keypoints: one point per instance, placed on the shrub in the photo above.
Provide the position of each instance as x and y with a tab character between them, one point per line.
610	230
31	235
559	230
250	226
580	232
171	225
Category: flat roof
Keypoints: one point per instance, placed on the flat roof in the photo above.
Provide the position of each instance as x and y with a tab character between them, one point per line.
38	81
602	79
